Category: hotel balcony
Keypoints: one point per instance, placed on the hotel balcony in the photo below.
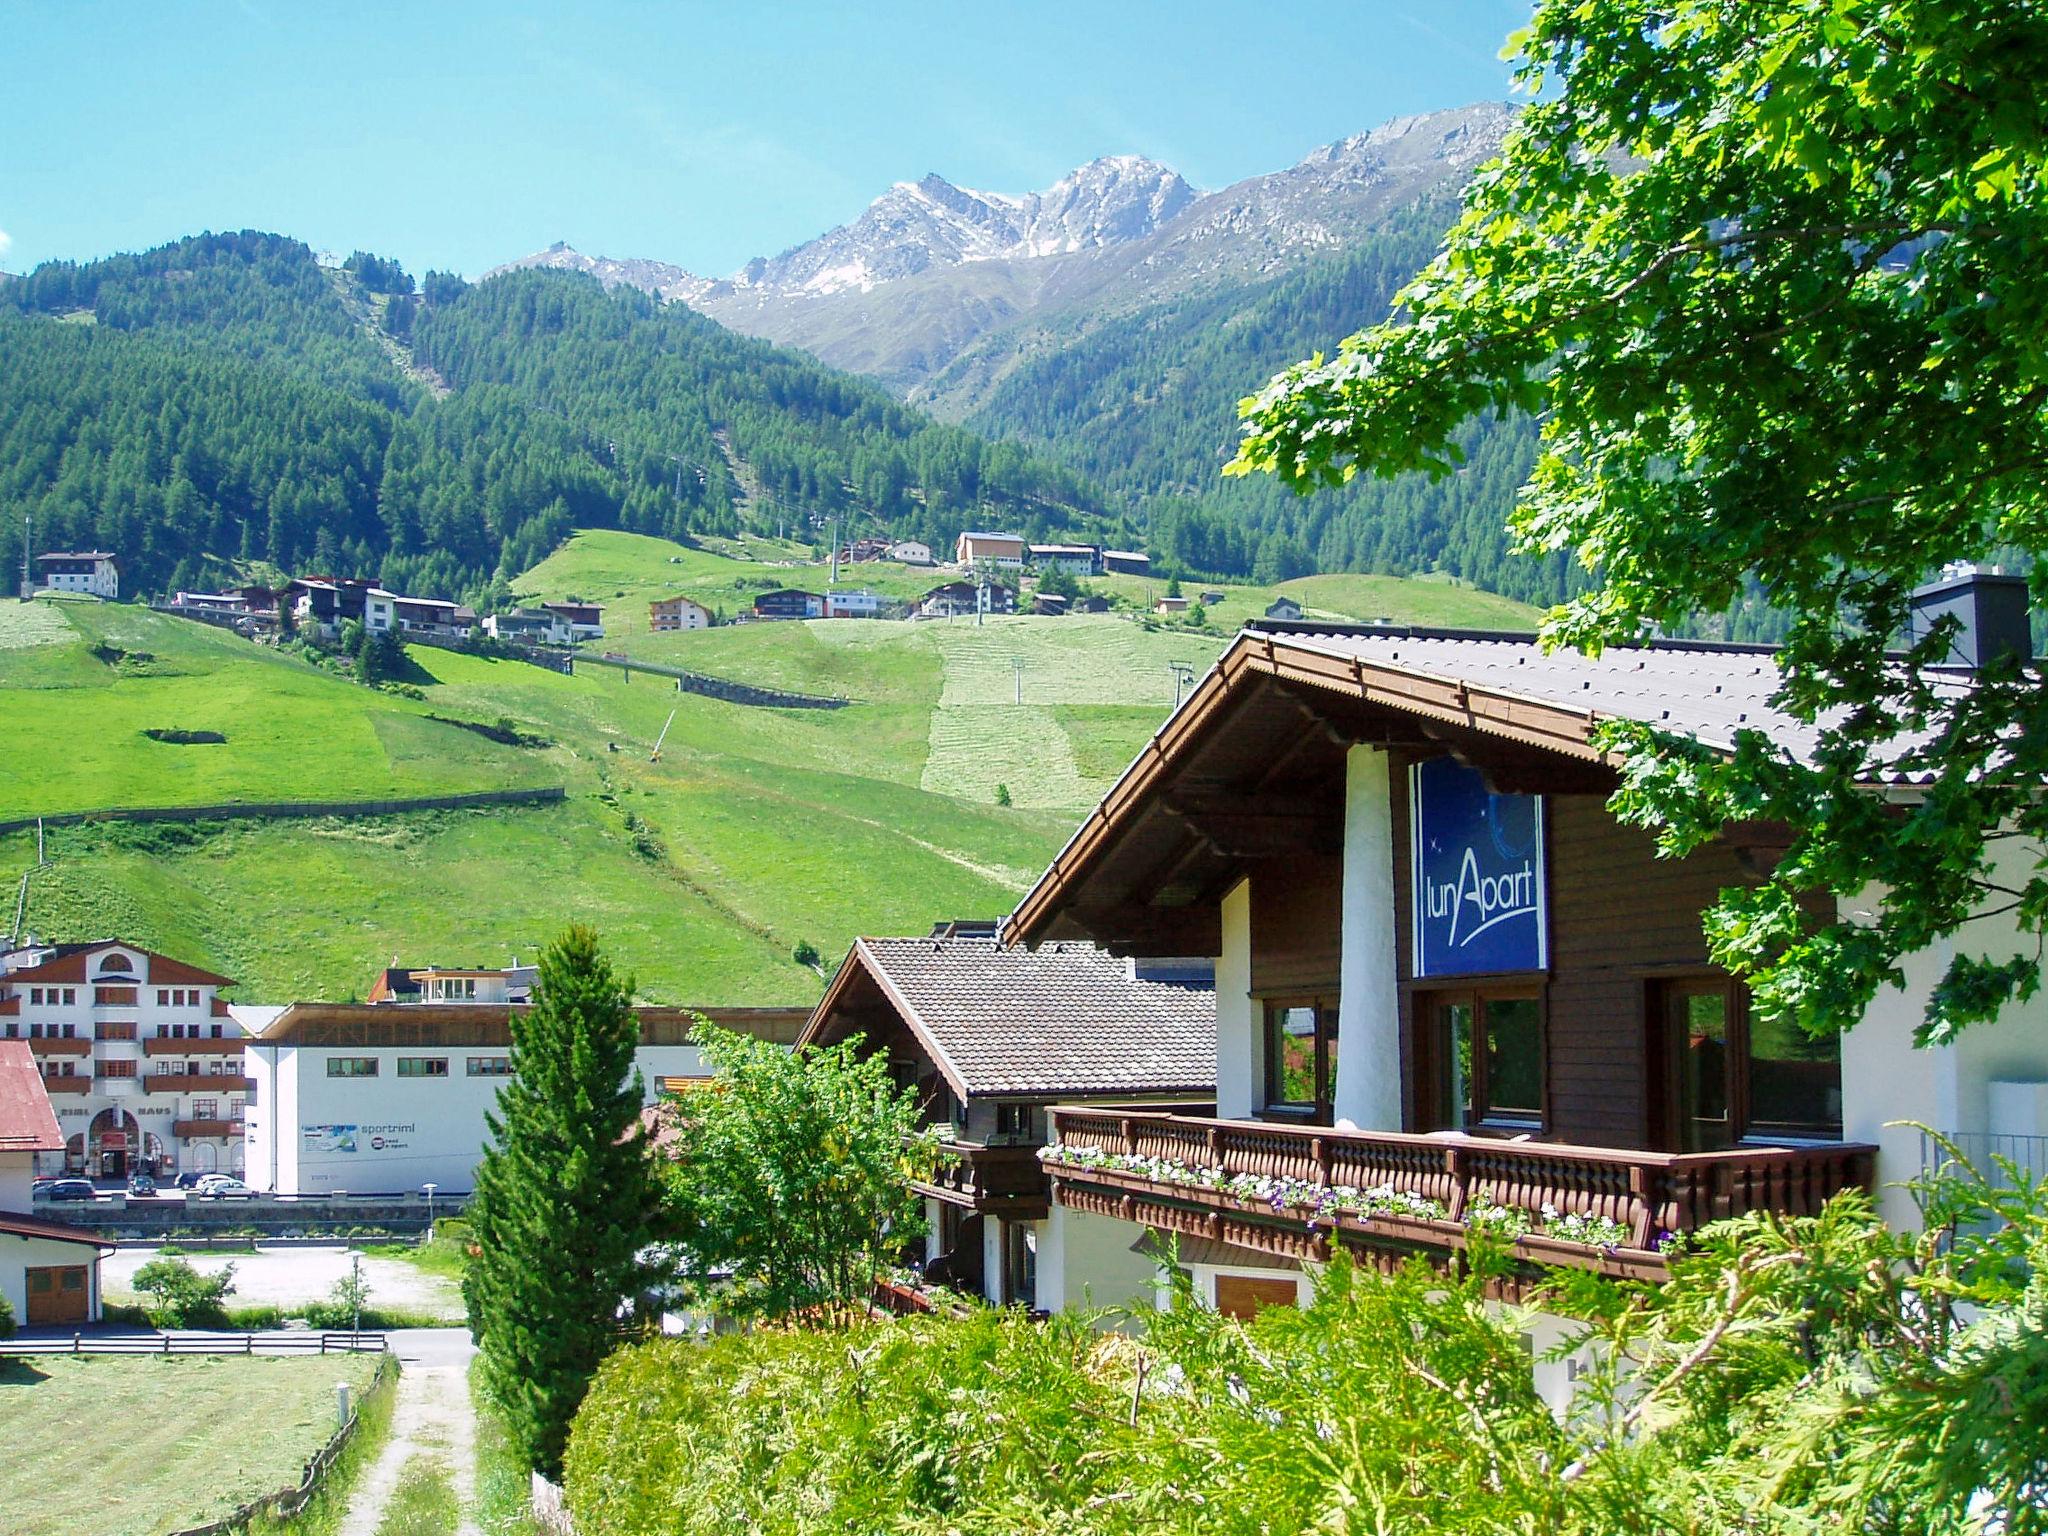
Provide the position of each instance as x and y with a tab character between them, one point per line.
1004	1180
230	1045
195	1082
206	1128
1293	1190
81	1083
49	1047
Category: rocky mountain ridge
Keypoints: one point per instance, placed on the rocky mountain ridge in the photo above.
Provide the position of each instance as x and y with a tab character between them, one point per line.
933	278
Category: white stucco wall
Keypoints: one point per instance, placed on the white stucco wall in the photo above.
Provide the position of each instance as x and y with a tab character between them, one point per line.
311	1133
1238	1068
17	1176
1085	1261
18	1255
1369	1002
1886	1081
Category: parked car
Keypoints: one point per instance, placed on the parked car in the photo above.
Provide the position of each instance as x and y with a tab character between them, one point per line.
220	1187
72	1189
192	1180
42	1182
141	1184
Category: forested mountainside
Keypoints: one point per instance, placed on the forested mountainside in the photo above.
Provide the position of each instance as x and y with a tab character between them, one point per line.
1146	404
226	396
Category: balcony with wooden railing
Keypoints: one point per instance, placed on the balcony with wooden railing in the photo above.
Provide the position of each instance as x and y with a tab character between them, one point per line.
163	1045
1001	1180
1294	1190
47	1045
195	1082
79	1083
206	1128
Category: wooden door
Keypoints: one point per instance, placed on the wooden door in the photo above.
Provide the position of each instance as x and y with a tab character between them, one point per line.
58	1294
1243	1295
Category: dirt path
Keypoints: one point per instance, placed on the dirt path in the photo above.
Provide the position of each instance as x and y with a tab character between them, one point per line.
433	1417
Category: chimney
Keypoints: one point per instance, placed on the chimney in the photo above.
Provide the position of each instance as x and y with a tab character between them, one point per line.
1991	608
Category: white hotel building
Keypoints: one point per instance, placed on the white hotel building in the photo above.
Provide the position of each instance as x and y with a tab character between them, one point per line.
384	1097
138	1053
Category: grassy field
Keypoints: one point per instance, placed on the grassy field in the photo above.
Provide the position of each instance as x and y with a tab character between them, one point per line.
963	763
94	677
136	1445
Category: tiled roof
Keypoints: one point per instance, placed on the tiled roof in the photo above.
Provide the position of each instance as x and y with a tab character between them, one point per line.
20	1224
27	1123
1698	689
70	964
1065	1018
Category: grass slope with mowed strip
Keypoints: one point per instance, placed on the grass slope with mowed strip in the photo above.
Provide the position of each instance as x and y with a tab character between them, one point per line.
120	1445
758	829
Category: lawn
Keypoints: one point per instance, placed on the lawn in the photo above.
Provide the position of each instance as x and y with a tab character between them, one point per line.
294	732
137	1445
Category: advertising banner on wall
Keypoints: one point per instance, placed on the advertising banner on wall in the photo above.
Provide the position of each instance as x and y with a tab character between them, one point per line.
1478	875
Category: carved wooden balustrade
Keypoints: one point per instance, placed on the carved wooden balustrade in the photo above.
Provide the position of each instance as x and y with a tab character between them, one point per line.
1646	1195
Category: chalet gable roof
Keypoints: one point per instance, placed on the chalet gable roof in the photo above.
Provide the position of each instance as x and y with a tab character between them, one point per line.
27	1123
1064	1019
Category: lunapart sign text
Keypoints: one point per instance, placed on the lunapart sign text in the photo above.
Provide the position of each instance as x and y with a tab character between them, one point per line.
1487	899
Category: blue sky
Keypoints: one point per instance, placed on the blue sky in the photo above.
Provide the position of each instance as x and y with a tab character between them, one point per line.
454	134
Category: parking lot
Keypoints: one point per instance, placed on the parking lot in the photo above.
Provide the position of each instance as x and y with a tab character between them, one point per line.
292	1276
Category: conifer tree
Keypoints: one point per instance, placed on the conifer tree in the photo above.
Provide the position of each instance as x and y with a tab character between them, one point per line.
566	1198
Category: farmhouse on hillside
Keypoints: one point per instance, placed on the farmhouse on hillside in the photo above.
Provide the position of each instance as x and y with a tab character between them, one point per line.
789	603
1076	559
1126	562
954	599
582	621
49	1272
667	613
999	549
1283	608
94	571
991	1036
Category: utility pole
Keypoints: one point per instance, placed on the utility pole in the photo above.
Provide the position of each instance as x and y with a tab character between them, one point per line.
27	544
835	551
1017	669
1183	674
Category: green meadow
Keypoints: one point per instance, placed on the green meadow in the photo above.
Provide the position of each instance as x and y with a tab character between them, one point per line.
965	758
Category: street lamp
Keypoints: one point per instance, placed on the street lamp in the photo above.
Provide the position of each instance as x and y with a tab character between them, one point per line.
428	1191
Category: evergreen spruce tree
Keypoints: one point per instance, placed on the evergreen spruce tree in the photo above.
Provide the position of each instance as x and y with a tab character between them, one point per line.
566	1199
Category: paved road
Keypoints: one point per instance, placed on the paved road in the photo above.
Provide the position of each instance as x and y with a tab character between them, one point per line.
433	1418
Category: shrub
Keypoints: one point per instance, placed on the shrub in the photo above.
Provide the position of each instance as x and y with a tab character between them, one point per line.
179	1296
6	1318
805	953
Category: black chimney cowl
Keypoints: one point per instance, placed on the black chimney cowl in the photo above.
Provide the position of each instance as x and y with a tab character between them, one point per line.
1992	609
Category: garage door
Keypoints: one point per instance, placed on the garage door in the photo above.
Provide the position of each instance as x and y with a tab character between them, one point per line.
1242	1295
57	1295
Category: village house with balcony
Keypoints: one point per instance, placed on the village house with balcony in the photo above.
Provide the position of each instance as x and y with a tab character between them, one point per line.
138	1052
990	1036
1453	990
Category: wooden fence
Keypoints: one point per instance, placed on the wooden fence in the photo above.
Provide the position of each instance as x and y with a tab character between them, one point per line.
288	809
199	1344
719	687
288	1502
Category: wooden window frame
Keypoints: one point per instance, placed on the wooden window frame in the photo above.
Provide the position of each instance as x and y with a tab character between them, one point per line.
1428	1052
1669	1100
1322	1108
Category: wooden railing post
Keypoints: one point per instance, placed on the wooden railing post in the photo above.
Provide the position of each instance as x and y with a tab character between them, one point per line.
1459	1173
1642	1223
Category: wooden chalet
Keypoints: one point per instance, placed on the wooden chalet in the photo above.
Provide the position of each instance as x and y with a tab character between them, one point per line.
990	1036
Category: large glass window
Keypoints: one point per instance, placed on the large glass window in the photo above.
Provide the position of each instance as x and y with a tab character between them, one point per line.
1301	1055
1734	1076
351	1066
1481	1059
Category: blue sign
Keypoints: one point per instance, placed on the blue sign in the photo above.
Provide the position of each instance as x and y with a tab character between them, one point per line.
1479	877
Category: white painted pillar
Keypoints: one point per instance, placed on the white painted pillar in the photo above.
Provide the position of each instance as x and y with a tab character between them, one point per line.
1238	1069
1369	1009
992	1235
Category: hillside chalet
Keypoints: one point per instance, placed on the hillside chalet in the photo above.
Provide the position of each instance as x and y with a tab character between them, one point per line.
96	572
1448	979
668	613
954	599
789	603
1005	550
1075	559
583	621
1126	562
990	1036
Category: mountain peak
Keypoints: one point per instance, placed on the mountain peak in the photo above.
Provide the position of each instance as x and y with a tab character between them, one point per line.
655	277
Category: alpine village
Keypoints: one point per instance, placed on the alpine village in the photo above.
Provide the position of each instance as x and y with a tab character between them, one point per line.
1361	848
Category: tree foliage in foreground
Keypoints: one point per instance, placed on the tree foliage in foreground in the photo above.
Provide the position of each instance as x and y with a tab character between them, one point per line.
790	1175
1794	1376
566	1199
1771	275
